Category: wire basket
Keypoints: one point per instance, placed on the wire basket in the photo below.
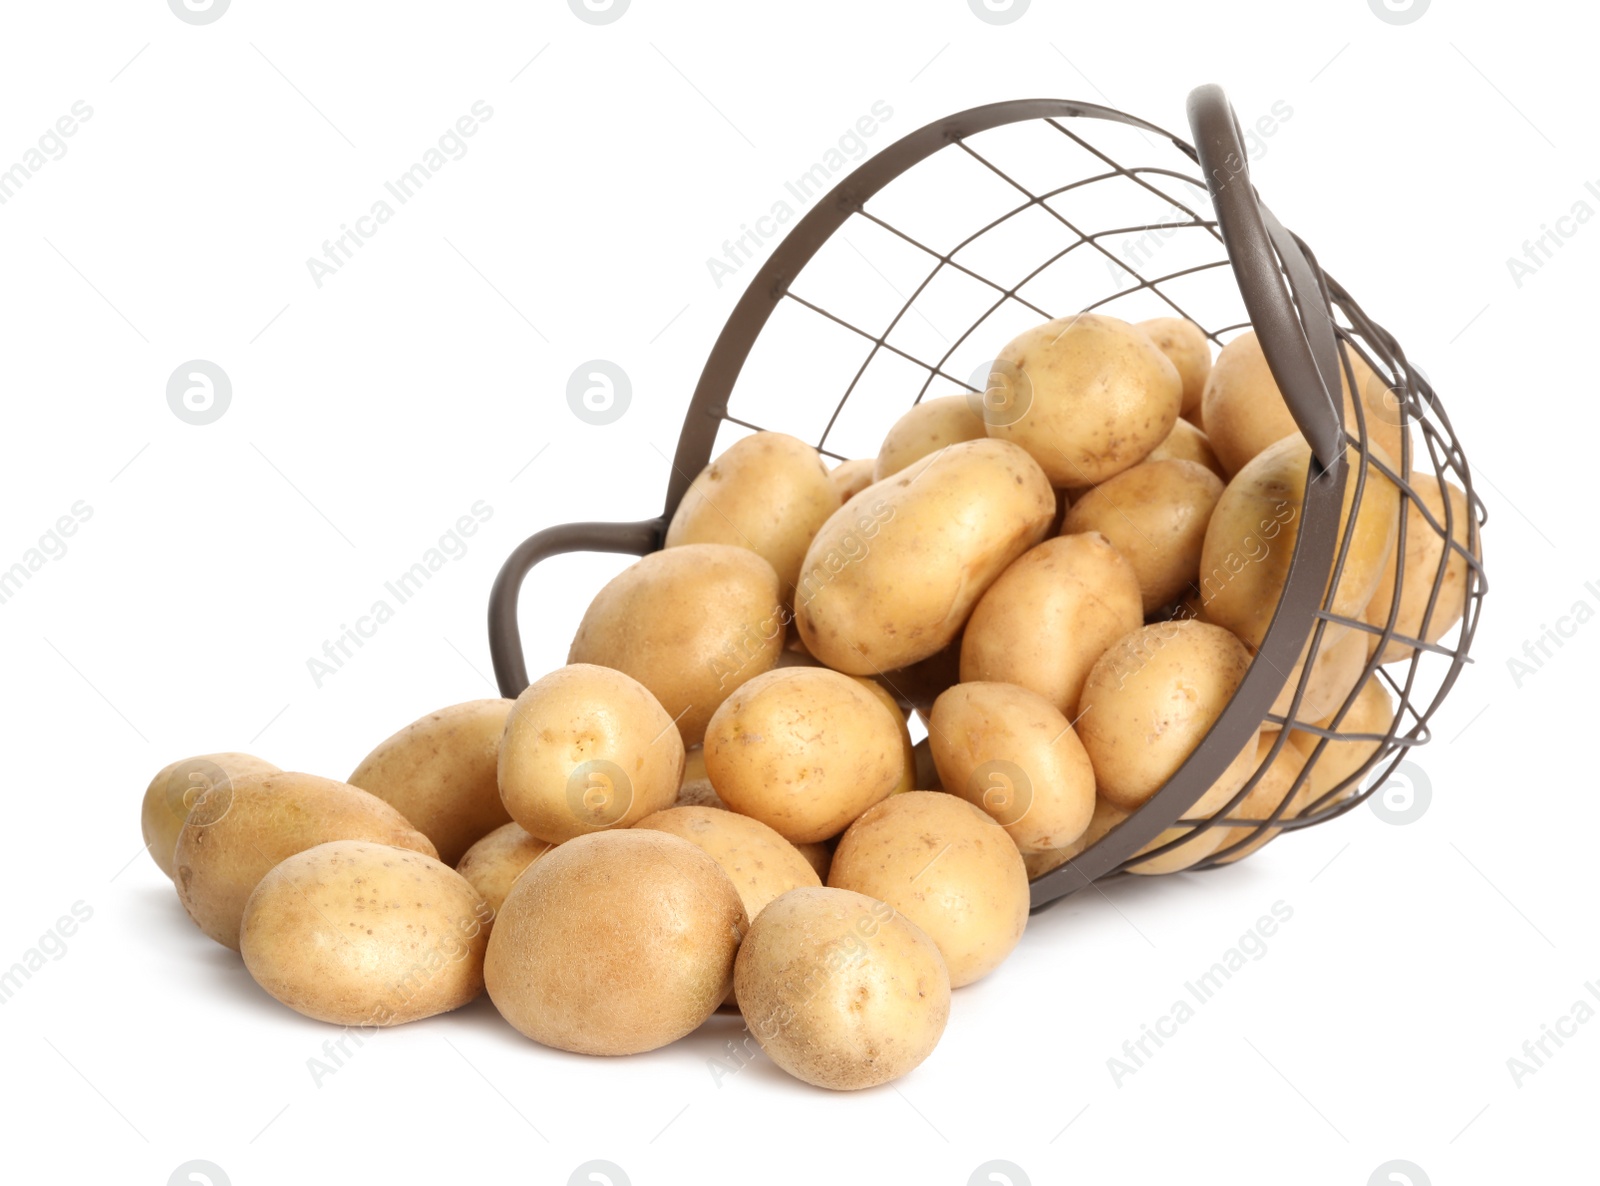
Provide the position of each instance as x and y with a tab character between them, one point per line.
907	275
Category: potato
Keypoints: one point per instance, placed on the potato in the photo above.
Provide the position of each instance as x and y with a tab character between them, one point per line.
1335	673
1087	396
760	863
1149	701
587	748
1106	817
819	855
1182	857
804	750
1009	752
1370	715
237	832
1252	535
1244	412
947	867
839	990
768	492
497	860
690	623
850	478
1187	348
908	772
1155	514
439	772
1270	791
1187	443
1425	553
175	788
364	934
1048	618
925	429
697	790
615	943
956	519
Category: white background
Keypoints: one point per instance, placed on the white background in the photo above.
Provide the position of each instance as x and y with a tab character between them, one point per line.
430	373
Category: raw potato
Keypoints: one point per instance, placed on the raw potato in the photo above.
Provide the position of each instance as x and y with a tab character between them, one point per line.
1148	703
494	863
1187	443
819	855
850	478
1154	513
587	748
439	772
1244	412
947	867
925	429
173	791
615	943
908	773
955	519
841	991
1087	396
1253	531
1425	549
1372	713
1106	817
697	790
690	623
235	835
1336	672
1009	752
1182	857
1187	348
1265	798
367	935
760	863
768	492
1048	618
804	750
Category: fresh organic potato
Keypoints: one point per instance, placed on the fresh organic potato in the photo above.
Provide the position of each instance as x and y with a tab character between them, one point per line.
1370	716
841	991
925	429
237	831
690	623
439	772
495	862
956	519
1275	785
850	478
1185	855
1048	618
804	750
175	788
768	492
367	935
587	748
1087	396
1425	554
697	790
760	863
1187	443
615	943
1150	700
1244	412
1335	673
908	773
1187	348
819	855
1252	535
1155	514
946	866
1106	817
1009	752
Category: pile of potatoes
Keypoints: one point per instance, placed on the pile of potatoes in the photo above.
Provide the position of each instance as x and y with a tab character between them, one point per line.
717	804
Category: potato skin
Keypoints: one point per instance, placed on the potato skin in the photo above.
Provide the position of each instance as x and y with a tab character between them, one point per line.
1371	713
174	788
495	862
1051	614
839	990
1265	798
768	492
760	863
956	518
924	430
1089	396
1425	551
1154	513
850	478
1010	753
587	748
946	866
1188	443
232	841
615	943
365	934
1186	346
1106	817
690	623
804	750
439	772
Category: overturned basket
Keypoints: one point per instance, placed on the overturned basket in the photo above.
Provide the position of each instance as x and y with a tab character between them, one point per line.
1013	189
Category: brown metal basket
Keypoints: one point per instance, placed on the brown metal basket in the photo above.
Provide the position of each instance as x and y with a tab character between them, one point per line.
1239	269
